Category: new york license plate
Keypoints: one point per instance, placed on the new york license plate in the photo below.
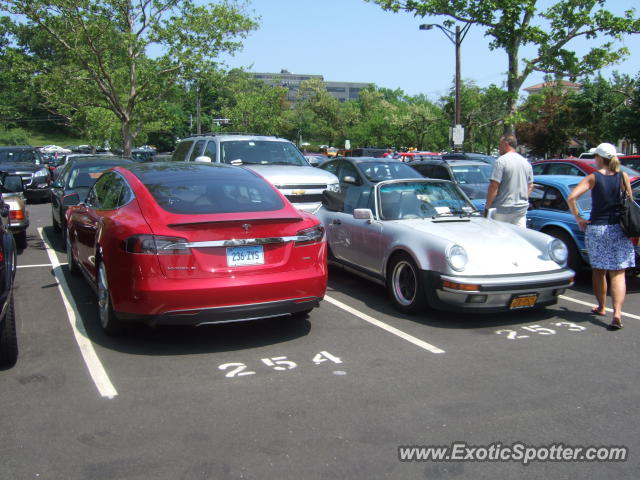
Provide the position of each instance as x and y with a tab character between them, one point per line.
241	256
524	301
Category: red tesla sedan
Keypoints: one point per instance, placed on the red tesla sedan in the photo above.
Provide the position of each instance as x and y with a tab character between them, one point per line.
574	166
193	244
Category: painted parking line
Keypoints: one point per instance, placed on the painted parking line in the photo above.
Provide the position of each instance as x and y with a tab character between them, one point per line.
93	363
40	265
587	304
384	326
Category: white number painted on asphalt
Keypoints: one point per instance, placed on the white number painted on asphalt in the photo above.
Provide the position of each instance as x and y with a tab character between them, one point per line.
540	330
511	334
572	327
239	371
279	363
324	356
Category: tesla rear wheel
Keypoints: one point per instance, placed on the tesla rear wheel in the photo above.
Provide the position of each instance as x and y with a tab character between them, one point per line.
55	223
405	285
108	320
8	337
71	262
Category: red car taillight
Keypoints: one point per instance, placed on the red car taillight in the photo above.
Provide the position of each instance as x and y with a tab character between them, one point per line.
156	245
16	214
311	235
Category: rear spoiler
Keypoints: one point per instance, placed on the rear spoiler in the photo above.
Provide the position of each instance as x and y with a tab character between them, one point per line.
189	225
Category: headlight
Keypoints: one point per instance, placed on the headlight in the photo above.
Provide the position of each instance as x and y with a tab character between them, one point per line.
558	251
41	173
457	257
333	187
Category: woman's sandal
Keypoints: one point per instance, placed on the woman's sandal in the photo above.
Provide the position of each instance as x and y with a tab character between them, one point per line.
616	324
597	311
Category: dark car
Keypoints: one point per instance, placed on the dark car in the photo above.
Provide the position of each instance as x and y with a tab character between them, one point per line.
13	197
470	175
77	177
8	337
479	157
29	164
358	175
143	154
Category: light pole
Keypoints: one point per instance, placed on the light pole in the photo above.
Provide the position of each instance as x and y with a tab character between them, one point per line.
456	38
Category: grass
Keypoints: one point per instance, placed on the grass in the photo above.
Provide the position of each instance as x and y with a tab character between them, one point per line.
40	139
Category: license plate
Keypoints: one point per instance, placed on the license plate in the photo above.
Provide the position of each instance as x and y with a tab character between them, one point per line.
242	256
524	301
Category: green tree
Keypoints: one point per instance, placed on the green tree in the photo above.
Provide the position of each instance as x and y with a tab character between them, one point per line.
512	24
101	49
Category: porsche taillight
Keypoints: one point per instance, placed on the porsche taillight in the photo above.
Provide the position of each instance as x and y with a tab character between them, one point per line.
16	214
156	245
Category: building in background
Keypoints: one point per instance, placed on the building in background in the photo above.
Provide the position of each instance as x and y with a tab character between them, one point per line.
563	85
343	91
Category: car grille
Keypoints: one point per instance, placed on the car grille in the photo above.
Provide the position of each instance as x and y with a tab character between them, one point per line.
312	197
322	186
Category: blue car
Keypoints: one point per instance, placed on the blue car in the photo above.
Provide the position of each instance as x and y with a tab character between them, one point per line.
549	213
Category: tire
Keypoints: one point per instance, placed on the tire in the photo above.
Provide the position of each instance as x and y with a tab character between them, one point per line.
54	222
109	322
71	262
405	284
574	260
8	337
21	239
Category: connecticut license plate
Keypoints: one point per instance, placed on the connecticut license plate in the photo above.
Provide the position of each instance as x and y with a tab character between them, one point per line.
241	256
524	301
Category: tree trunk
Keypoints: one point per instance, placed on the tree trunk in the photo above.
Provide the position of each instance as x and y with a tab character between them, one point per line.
514	82
127	139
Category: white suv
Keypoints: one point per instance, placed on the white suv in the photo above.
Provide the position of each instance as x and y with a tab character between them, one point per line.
276	159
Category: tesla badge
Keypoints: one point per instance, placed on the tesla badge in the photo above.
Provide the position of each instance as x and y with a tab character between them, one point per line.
246	227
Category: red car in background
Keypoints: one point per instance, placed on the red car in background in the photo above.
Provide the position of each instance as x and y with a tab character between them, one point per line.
193	244
575	166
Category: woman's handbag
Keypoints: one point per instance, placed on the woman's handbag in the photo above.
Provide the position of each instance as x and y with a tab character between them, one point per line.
629	214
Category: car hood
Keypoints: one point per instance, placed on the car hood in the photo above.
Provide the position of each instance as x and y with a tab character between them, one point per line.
283	175
493	248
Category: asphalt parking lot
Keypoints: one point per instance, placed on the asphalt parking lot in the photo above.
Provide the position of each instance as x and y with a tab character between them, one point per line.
331	396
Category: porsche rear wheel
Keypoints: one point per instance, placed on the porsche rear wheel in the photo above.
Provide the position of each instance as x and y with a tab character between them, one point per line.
405	284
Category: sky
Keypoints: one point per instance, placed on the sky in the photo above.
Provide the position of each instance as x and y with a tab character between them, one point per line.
357	41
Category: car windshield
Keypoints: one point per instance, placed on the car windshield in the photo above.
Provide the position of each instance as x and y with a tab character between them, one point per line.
193	189
584	202
261	152
86	175
19	156
379	171
472	174
422	200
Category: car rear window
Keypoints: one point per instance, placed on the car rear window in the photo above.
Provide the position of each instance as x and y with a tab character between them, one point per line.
379	171
206	189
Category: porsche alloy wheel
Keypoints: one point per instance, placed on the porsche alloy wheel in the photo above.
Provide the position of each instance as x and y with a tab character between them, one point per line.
405	285
108	320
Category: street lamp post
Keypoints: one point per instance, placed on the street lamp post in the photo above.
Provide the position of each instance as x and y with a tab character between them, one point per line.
456	38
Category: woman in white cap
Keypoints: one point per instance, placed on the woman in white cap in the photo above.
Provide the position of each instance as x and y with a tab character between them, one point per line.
608	247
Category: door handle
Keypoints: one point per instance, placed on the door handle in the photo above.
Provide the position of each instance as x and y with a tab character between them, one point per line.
336	222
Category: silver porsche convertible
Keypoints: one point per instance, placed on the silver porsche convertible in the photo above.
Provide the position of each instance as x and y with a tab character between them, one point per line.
428	244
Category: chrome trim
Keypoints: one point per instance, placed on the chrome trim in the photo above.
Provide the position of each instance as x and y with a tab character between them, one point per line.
236	242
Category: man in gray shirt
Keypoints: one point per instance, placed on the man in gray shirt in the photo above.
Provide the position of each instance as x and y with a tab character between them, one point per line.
511	184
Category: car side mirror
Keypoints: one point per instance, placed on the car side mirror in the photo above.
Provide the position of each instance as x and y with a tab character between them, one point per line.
203	159
71	200
12	184
350	179
363	214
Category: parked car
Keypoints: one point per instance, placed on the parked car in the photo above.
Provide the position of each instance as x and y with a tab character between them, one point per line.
549	213
471	176
8	261
359	174
77	177
479	157
143	154
193	244
426	242
574	166
29	164
276	159
411	156
315	160
12	195
631	161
